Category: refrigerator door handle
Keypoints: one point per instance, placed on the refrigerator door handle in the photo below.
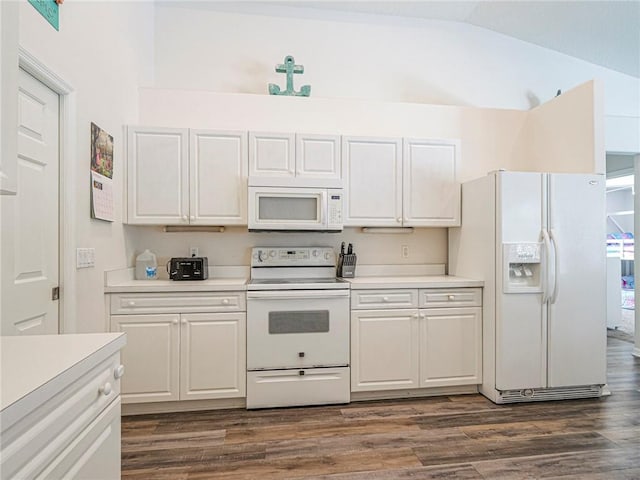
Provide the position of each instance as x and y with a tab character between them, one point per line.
554	291
547	266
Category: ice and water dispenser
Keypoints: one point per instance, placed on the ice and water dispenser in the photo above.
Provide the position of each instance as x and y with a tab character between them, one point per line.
522	267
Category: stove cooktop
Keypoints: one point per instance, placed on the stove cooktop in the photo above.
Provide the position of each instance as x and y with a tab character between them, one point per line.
296	283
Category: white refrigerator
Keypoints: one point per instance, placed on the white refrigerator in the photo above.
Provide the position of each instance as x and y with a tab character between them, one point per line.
538	241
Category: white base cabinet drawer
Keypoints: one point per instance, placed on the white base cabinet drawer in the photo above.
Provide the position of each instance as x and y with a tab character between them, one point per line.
136	303
314	386
459	297
401	298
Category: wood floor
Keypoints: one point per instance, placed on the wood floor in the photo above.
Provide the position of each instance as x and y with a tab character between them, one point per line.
457	437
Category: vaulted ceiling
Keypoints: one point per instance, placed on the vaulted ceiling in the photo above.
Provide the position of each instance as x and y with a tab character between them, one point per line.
605	33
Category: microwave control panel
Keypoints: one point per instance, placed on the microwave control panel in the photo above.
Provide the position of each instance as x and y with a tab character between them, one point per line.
334	209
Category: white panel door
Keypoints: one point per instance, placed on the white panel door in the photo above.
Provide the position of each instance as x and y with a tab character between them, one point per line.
431	194
520	317
372	176
218	171
272	154
157	176
577	309
318	157
212	355
384	349
450	346
150	357
30	221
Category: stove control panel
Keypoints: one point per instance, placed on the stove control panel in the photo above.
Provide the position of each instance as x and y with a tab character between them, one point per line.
292	256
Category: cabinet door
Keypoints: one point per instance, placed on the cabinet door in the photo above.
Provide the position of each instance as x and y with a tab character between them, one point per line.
384	349
94	453
212	356
431	194
450	346
318	159
157	176
372	176
150	356
272	155
218	173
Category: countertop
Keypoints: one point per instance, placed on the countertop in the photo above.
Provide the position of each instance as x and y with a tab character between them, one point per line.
33	367
421	281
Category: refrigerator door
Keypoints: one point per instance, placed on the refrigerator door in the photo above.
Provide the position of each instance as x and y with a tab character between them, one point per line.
520	317
577	338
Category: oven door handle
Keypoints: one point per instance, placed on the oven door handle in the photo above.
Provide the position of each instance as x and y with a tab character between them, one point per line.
297	294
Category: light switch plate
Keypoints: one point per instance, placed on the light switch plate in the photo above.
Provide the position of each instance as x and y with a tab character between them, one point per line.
85	257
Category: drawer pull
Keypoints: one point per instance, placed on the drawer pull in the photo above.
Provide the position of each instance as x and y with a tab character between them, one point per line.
301	354
452	297
174	321
385	299
184	321
105	389
225	301
415	315
301	372
118	372
131	303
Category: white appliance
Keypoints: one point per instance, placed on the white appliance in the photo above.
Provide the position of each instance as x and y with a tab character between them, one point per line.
295	209
538	242
297	328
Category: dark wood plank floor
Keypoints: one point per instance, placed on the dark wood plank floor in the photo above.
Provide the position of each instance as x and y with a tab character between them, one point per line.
457	437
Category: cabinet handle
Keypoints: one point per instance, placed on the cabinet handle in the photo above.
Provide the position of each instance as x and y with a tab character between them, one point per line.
174	321
105	389
184	217
184	321
225	301
452	297
399	219
118	372
132	303
415	315
301	354
385	299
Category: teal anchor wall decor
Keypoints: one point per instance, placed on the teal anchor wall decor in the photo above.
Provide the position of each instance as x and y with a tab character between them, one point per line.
289	67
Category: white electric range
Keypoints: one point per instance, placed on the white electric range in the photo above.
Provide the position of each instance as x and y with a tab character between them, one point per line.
297	328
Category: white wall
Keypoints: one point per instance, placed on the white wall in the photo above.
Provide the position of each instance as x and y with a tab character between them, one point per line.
104	50
620	201
375	57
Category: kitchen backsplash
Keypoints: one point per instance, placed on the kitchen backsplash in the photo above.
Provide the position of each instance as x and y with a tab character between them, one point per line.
232	247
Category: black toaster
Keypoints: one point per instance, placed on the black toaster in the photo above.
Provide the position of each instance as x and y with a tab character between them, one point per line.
188	268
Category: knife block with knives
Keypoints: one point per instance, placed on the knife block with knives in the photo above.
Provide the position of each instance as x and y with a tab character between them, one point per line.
347	262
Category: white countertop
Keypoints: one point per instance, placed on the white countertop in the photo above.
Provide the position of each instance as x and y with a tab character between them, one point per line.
36	362
220	279
421	281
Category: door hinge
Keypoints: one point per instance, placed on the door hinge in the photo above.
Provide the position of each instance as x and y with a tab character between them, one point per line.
55	293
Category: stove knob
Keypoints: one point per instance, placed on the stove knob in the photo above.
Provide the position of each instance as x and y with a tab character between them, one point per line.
315	253
327	255
262	255
272	253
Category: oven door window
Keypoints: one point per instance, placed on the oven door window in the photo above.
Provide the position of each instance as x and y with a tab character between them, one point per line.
315	321
289	208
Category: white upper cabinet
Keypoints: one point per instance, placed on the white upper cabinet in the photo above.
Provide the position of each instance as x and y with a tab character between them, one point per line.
372	176
283	159
177	176
157	176
431	195
218	178
392	182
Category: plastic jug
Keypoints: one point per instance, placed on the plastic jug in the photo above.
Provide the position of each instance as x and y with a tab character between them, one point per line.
146	266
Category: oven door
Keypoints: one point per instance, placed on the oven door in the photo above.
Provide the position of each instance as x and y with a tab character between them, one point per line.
297	329
273	208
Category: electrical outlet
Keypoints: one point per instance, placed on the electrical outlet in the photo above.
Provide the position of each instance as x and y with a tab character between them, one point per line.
405	251
193	251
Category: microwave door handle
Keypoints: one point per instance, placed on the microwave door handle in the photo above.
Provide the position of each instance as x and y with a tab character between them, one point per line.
324	206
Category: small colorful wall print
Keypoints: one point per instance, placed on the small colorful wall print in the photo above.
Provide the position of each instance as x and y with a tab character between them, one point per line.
101	151
101	174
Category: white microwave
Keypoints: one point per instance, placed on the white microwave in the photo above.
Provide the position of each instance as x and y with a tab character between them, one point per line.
295	209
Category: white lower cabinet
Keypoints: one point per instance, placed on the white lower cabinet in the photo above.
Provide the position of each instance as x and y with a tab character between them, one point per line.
182	356
400	348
